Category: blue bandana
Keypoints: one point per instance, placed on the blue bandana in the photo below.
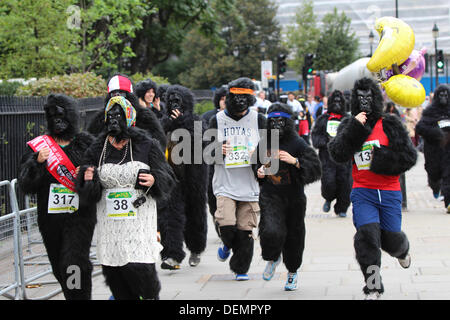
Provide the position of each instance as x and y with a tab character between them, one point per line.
277	114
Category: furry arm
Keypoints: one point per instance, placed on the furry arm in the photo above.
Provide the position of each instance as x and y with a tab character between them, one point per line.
310	168
429	130
350	136
31	172
319	135
400	155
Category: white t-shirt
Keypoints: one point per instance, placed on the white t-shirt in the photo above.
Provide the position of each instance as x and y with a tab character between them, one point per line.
296	107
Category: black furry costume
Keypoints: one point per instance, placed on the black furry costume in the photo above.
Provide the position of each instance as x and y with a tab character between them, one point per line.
132	281
183	217
146	119
67	236
394	159
239	241
282	198
437	142
336	181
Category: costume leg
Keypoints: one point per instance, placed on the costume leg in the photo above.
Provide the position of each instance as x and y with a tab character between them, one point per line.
272	226
295	240
117	283
142	280
344	187
172	225
76	266
328	180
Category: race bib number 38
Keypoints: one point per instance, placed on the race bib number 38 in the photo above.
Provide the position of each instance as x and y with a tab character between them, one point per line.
363	158
62	199
119	204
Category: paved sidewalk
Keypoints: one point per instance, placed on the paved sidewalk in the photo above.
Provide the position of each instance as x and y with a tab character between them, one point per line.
329	269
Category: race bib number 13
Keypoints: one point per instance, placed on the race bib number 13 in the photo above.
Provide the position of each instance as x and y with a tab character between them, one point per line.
119	204
61	199
363	158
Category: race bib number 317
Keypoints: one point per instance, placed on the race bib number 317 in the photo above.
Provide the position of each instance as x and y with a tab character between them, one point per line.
119	204
61	199
363	158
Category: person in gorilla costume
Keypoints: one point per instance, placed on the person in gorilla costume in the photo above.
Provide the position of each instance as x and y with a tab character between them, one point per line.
434	127
121	85
183	217
123	174
336	178
160	100
234	182
282	198
65	224
380	150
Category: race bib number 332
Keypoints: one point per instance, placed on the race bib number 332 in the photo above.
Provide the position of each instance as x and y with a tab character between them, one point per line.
61	199
119	204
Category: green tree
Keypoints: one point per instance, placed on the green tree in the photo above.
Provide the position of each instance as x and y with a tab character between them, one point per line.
245	30
35	40
302	37
337	45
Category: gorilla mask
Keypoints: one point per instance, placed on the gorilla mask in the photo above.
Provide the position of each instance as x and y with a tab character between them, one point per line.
62	116
367	97
179	98
119	116
279	117
365	100
174	102
443	98
336	103
240	96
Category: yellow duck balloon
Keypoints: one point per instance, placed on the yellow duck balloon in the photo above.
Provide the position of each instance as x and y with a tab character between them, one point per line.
396	44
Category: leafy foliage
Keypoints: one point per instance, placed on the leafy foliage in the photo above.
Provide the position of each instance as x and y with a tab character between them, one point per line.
9	88
76	85
158	79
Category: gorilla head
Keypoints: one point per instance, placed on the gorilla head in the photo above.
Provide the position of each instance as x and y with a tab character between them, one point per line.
367	97
240	96
146	90
441	97
62	116
179	98
336	102
120	115
279	116
218	95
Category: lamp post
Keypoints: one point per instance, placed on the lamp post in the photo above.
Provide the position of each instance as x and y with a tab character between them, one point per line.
263	49
435	32
371	38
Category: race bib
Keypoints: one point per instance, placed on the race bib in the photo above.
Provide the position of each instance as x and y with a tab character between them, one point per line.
363	158
61	199
238	157
444	123
119	204
332	127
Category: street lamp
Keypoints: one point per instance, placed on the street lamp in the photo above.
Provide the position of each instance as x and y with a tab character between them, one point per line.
371	38
435	32
263	49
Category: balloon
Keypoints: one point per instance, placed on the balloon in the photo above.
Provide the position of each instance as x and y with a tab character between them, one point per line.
396	44
404	91
414	66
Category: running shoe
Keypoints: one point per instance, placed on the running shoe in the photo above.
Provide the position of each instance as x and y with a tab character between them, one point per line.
194	259
269	271
223	253
405	263
436	195
170	264
291	283
448	208
342	214
326	206
242	277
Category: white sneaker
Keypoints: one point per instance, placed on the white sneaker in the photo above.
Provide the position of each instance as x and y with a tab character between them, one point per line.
373	296
405	263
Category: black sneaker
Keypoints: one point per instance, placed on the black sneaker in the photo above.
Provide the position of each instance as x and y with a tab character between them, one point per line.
170	264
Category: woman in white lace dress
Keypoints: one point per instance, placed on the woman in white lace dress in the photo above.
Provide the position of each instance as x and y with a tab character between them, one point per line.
124	172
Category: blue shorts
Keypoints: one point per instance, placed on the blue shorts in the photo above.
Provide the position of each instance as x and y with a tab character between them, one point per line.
377	206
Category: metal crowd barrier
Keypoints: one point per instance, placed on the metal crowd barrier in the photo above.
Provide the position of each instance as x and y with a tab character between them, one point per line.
9	225
31	263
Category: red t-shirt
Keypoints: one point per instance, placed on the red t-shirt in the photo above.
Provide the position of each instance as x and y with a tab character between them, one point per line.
362	176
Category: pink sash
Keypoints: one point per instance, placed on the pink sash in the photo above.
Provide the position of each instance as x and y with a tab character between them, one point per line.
58	164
